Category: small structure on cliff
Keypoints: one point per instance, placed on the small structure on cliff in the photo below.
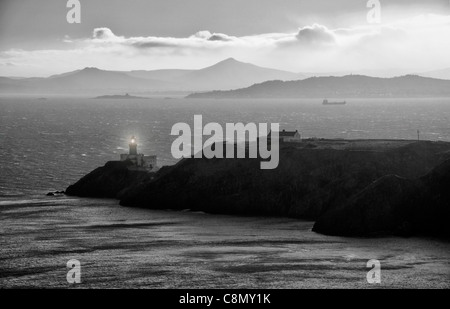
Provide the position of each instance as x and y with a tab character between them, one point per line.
139	160
290	136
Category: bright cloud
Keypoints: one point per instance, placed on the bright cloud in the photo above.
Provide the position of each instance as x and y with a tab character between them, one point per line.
316	34
415	44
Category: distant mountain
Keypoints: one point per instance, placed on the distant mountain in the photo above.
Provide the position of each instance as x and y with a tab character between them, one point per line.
225	75
93	78
383	73
66	74
232	74
440	74
10	85
350	86
164	75
88	80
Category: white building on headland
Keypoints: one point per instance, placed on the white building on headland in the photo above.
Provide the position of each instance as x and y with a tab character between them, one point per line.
139	160
289	136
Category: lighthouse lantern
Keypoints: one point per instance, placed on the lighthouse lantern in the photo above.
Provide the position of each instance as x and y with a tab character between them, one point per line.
133	146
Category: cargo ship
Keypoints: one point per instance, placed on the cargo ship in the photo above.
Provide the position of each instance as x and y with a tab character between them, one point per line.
326	102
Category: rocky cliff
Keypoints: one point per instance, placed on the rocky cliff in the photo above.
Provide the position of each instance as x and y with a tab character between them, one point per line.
395	206
306	183
349	190
108	181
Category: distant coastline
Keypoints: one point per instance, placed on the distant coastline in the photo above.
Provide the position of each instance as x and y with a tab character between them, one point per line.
119	97
350	86
231	78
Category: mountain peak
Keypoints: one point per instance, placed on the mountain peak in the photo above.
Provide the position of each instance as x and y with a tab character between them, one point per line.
90	69
229	61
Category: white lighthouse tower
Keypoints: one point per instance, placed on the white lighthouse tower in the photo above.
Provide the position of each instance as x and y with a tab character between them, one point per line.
139	160
133	146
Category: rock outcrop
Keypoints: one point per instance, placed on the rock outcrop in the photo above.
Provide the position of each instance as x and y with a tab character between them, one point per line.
395	206
306	183
108	181
351	192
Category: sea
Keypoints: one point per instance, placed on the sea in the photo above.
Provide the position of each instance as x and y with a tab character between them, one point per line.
49	143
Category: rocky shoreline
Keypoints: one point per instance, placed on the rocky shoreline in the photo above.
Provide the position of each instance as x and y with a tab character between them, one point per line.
350	188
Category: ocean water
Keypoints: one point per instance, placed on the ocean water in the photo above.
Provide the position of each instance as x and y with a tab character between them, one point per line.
45	145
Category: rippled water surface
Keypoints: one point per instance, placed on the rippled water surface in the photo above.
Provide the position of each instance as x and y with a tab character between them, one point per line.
46	145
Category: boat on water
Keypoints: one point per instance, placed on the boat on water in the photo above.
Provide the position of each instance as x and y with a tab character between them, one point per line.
326	102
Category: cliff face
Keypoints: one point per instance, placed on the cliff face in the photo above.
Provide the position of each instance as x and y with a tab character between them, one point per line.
306	183
109	181
393	205
352	192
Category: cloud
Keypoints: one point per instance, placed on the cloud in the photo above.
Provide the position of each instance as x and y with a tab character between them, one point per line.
201	39
220	37
315	34
414	44
103	34
204	34
151	43
7	64
204	39
207	35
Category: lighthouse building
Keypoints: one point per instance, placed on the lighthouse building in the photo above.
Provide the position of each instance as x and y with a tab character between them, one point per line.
138	159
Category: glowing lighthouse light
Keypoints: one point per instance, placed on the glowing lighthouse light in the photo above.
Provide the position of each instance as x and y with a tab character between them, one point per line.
133	146
140	161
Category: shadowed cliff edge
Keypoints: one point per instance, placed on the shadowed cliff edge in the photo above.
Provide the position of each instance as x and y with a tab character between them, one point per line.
108	181
395	205
352	188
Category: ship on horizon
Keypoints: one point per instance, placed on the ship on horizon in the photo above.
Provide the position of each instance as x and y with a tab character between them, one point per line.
326	102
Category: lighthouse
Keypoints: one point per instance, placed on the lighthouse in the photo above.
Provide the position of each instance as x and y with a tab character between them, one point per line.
139	161
133	146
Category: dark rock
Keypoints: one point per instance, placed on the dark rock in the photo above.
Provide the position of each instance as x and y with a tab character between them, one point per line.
350	192
306	183
395	206
108	181
55	193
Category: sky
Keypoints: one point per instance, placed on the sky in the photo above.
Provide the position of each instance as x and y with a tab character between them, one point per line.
293	35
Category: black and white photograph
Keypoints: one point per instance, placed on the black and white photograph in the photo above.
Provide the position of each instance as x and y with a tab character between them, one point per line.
243	147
